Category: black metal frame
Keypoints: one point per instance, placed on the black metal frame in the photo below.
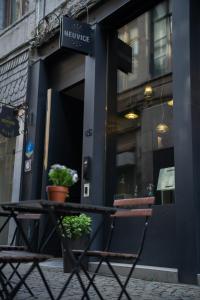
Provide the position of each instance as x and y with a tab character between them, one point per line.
57	222
4	282
7	281
134	262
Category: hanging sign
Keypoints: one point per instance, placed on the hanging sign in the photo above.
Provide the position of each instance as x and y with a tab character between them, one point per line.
76	35
9	125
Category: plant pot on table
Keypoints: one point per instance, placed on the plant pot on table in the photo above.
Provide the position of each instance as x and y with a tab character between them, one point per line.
57	193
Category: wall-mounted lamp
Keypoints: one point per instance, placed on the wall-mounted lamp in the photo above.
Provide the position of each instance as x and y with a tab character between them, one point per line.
148	91
162	128
131	115
170	102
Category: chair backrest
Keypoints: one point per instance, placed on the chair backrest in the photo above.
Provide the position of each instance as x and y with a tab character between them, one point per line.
126	207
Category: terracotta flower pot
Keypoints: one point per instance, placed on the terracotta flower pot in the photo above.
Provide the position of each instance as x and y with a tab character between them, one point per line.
57	193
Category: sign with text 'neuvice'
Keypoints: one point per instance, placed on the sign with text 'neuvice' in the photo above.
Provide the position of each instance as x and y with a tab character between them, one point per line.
76	35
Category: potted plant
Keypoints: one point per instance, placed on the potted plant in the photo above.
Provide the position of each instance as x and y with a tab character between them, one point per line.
76	229
62	178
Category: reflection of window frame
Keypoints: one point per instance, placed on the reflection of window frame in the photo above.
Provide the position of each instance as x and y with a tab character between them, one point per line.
9	13
126	79
168	17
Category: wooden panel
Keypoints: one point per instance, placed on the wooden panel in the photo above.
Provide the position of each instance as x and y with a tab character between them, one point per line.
29	216
134	201
133	213
107	254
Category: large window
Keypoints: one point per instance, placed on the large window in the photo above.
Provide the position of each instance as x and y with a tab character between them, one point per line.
143	135
7	155
161	41
150	38
11	11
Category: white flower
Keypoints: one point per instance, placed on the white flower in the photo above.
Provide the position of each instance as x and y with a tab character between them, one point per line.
61	175
62	167
57	166
75	177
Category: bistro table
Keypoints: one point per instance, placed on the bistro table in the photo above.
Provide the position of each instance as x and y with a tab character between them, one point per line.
56	211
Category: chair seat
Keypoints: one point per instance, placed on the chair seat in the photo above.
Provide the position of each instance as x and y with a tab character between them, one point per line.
107	254
13	256
11	247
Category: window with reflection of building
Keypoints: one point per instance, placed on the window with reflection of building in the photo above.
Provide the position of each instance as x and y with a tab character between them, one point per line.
7	156
11	11
161	41
144	131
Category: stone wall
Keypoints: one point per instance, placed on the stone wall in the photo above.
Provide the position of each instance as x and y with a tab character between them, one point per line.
13	79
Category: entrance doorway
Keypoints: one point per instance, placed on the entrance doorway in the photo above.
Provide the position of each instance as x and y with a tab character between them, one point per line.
64	135
66	132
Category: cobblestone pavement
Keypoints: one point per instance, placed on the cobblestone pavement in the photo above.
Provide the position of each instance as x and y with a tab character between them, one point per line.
138	289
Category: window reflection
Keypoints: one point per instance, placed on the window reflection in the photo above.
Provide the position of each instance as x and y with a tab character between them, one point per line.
11	11
144	143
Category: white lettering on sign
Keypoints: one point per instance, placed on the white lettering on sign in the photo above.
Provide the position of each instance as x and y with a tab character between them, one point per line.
77	36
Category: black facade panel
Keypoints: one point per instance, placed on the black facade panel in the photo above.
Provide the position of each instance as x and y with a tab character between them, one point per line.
35	131
186	74
159	249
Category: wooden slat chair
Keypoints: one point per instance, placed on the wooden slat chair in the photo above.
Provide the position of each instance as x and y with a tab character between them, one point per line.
127	208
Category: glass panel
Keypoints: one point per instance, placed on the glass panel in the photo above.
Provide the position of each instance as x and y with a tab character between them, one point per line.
143	131
160	11
25	7
161	39
7	151
2	14
135	35
18	9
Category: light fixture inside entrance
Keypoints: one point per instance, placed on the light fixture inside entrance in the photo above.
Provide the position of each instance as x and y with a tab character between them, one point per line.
162	128
148	91
170	102
131	115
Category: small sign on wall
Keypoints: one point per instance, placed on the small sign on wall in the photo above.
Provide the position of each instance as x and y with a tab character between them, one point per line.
28	165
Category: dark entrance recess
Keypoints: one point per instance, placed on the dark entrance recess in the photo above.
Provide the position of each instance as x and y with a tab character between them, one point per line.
65	141
65	137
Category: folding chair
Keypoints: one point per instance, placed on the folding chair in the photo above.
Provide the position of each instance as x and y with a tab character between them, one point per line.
8	291
125	210
14	255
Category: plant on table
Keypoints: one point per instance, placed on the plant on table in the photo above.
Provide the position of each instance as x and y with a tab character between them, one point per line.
61	177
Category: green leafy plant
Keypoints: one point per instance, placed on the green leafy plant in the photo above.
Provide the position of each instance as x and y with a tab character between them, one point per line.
77	226
62	176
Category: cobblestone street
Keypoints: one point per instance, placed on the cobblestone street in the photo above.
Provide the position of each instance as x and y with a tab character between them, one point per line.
138	289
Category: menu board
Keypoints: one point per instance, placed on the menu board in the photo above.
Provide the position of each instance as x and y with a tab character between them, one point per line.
166	179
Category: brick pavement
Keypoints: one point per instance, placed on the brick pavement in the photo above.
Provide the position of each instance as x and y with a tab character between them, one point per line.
138	289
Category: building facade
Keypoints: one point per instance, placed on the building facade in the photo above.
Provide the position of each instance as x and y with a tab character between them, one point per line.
136	131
